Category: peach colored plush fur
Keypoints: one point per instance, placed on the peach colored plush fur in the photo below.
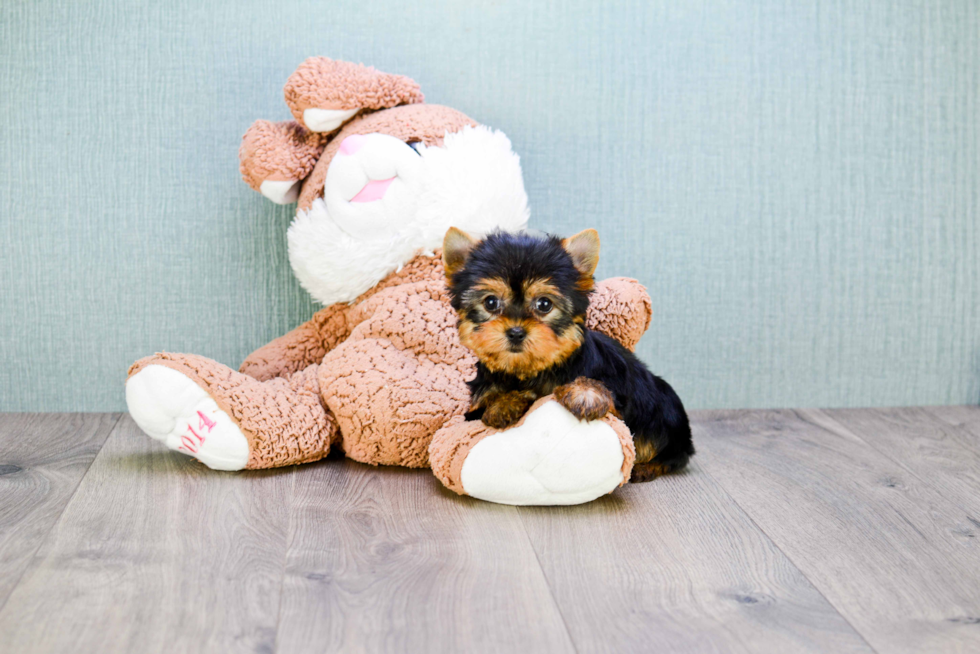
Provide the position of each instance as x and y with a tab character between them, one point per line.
279	152
383	378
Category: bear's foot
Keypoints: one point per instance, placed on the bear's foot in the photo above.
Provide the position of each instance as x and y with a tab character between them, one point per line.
548	458
226	419
174	409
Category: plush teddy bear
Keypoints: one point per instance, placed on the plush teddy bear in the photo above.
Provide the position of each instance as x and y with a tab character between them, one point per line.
380	372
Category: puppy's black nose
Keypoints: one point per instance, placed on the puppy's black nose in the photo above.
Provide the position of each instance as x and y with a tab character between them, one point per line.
516	334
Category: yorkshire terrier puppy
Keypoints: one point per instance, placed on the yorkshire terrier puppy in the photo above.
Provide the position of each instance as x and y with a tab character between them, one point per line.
521	302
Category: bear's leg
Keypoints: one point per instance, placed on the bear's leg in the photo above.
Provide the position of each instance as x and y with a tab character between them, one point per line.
228	420
388	401
549	457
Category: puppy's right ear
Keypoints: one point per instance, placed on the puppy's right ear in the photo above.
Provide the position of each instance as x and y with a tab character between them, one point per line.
456	246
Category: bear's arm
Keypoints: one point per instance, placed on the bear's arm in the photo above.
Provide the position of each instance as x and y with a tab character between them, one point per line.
310	342
620	308
300	348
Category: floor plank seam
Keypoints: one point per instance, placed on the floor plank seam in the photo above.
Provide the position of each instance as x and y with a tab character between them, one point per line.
285	558
547	582
768	537
55	523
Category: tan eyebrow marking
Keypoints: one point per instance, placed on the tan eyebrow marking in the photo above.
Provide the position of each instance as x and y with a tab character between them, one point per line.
490	286
537	287
494	285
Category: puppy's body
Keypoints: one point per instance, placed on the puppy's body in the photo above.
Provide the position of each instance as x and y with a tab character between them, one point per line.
646	403
522	302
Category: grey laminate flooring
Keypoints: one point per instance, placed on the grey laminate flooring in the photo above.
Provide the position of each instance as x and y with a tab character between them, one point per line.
818	531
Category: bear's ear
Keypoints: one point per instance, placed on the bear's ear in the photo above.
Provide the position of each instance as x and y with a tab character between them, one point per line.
456	247
275	158
323	94
584	250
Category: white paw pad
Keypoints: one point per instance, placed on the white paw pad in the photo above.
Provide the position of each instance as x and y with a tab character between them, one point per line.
173	409
552	458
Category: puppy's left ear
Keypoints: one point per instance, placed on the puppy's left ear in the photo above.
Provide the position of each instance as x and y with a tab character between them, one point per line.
456	246
584	249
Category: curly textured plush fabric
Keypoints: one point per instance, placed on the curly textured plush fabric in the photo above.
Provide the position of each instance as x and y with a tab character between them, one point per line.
303	346
278	152
323	83
621	308
399	376
283	419
310	342
452	444
427	123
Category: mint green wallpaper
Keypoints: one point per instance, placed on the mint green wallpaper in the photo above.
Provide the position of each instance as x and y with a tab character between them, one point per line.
796	182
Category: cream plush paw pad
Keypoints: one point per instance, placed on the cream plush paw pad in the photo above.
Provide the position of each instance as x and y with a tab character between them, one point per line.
280	192
327	120
552	458
173	409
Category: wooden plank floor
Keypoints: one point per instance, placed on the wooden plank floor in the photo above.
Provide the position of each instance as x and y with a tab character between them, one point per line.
792	531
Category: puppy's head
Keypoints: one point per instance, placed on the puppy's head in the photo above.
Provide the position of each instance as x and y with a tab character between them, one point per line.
521	299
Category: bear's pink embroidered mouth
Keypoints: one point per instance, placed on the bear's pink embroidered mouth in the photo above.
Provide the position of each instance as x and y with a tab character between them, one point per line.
373	190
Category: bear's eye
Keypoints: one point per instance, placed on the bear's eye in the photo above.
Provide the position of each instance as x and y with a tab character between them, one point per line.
491	303
543	305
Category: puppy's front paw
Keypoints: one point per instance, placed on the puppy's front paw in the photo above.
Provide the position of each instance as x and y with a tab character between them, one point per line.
506	409
586	399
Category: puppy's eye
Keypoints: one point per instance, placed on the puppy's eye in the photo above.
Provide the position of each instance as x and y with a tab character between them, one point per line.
491	303
542	305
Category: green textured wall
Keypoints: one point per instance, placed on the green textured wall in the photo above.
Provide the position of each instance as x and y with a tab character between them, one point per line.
795	181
